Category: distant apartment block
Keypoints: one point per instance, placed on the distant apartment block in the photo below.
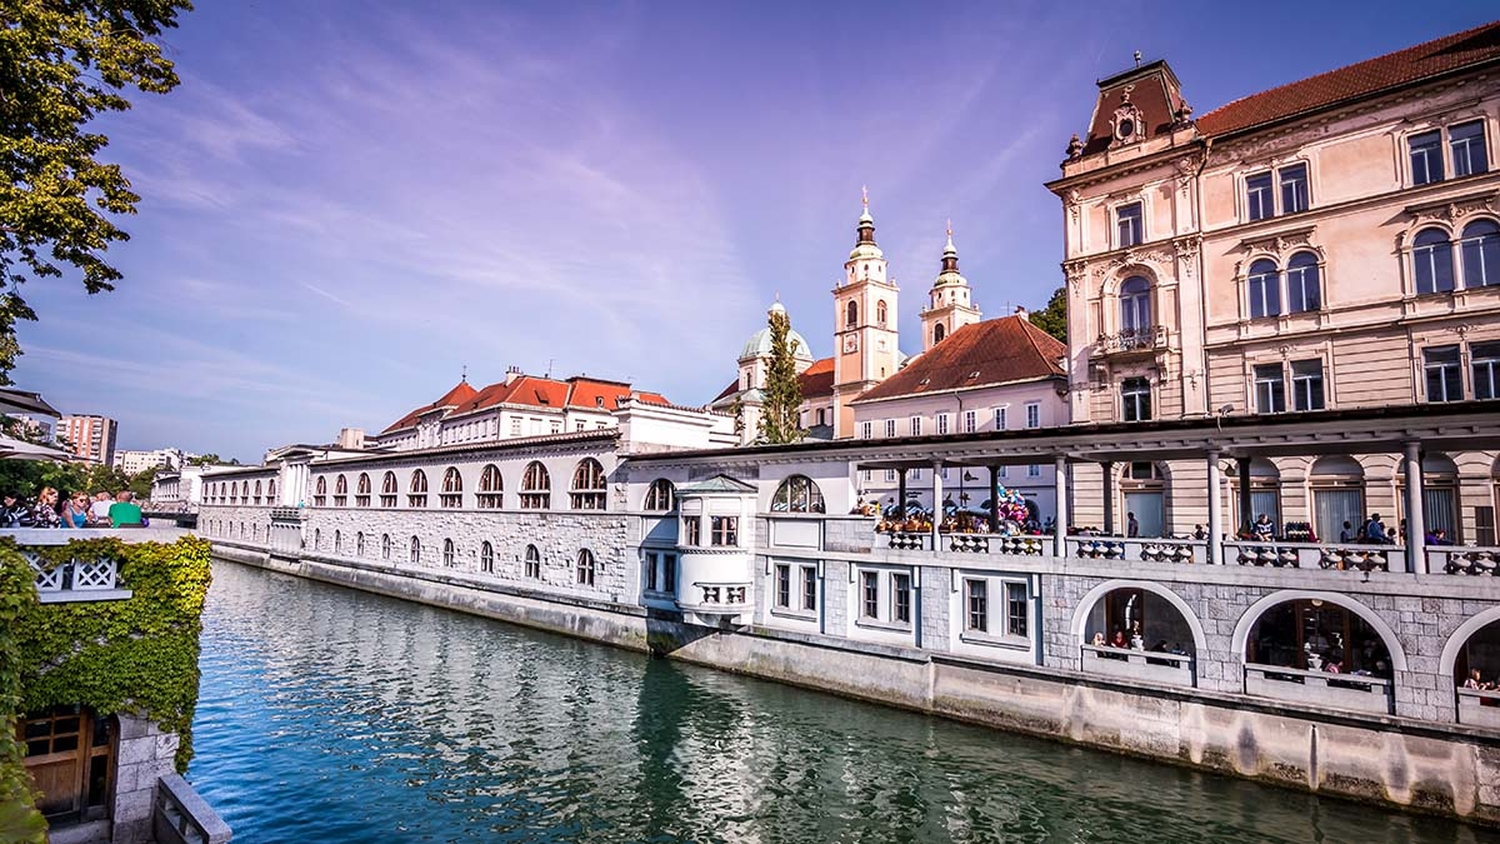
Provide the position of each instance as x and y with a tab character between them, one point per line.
133	462
90	437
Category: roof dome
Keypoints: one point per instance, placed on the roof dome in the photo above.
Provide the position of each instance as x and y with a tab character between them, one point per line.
759	343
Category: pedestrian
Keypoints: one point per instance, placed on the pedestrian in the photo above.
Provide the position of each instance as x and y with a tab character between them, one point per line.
45	512
99	510
1346	535
124	513
76	511
13	512
1263	528
1132	527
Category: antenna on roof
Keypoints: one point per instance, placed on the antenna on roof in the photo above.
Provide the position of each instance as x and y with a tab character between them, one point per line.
465	375
549	368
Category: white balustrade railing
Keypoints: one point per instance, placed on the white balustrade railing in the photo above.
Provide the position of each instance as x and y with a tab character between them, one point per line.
997	543
1312	555
1140	665
73	576
1459	559
723	594
909	540
1150	550
1345	691
1479	707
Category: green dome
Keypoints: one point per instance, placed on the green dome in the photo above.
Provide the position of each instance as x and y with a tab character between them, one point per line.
759	343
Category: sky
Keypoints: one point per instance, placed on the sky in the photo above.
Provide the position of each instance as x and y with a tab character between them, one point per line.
346	204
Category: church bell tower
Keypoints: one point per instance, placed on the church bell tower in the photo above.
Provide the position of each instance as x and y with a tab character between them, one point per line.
948	305
864	325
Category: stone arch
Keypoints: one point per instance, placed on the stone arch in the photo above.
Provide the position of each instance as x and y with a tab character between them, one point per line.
1086	606
1459	639
1370	617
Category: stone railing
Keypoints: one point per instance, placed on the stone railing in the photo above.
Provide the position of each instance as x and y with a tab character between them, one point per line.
1140	665
731	595
1313	555
915	540
182	817
1345	691
75	580
1479	707
1153	550
996	543
1132	340
1452	559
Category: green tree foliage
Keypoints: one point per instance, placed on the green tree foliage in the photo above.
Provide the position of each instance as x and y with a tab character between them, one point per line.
140	482
1053	319
783	393
26	477
63	63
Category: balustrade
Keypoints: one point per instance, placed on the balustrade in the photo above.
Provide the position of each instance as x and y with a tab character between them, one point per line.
76	580
1349	691
1154	550
723	594
181	816
1141	665
1449	559
1312	555
1479	707
910	540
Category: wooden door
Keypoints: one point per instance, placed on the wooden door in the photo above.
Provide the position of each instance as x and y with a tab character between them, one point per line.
70	756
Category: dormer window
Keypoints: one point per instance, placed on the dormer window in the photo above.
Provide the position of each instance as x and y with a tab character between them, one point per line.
598	401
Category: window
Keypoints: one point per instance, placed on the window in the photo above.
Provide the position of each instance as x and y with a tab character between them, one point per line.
869	582
452	497
340	491
388	490
1293	188
271	491
416	493
692	530
1000	414
915	424
724	531
385	546
866	430
783	585
359	544
1265	289
416	550
890	475
942	423
320	491
448	554
586	568
851	314
890	427
589	489
362	490
901	598
978	616
1033	414
880	313
1135	394
1303	292
1135	306
810	588
669	573
257	492
661	496
338	542
487	557
1034	470
1128	225
491	489
536	487
1270	389
1479	249
533	562
797	494
1466	142
1258	196
1016	615
515	426
1307	384
939	331
1444	377
971	421
1484	359
1432	261
1426	157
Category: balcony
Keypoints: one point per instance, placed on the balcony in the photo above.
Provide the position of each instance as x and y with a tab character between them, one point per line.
1131	341
1479	708
1343	691
1469	560
77	580
1340	557
1154	550
1173	669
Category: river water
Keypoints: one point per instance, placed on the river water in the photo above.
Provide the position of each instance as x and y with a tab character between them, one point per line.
333	716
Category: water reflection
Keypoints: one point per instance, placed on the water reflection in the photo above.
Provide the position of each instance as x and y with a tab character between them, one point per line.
335	716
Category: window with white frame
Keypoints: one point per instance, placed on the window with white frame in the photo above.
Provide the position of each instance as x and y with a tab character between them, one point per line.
916	426
866	430
1033	414
692	530
1017	607
416	550
883	597
1444	375
1303	288
1129	225
1270	389
901	598
1007	617
783	586
1034	470
942	424
976	606
1259	200
724	531
1135	310
1484	363
1265	289
1135	399
533	562
1307	384
890	427
1432	261
1426	151
1294	194
971	421
487	557
810	588
450	558
1467	148
586	568
869	595
890	475
1479	252
1000	421
515	426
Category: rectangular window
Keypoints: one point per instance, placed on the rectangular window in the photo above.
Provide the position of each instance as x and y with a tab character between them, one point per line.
1135	394
1485	361
866	430
971	421
515	427
1307	384
783	585
1033	414
1034	470
1128	219
692	528
651	579
890	427
668	573
1426	157
869	582
1444	376
1004	470
1000	419
890	475
810	588
1270	389
1258	196
1293	188
1466	141
1016	606
942	423
978	616
901	598
725	531
916	426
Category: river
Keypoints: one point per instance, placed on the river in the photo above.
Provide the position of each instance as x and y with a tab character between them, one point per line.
334	716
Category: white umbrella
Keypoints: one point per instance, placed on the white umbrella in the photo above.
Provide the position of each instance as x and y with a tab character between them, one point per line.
14	449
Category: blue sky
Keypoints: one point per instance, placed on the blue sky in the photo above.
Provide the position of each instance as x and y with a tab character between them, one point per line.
345	203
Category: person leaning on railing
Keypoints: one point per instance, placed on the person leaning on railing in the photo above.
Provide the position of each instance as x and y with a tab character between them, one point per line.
124	512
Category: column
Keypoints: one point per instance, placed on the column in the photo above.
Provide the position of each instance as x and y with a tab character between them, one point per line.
994	499
1060	492
1215	508
1416	530
1109	498
937	503
901	493
1247	518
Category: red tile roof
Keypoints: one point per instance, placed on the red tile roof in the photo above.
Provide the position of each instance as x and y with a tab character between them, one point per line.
817	380
1367	78
995	351
530	390
460	393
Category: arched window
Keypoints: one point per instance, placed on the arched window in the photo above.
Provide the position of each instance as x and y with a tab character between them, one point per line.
1265	289
851	314
1303	292
1480	251
588	491
448	553
257	492
359	544
491	488
533	562
416	494
938	333
586	568
320	491
536	487
487	557
453	489
880	313
317	537
271	492
797	494
338	542
661	496
1315	635
1432	261
388	490
234	493
416	550
1135	306
362	490
340	491
385	546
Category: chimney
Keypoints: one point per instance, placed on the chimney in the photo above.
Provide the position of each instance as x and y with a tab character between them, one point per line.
512	373
1022	312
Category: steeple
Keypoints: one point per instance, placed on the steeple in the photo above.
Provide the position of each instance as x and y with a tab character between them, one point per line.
949	273
864	323
948	306
864	244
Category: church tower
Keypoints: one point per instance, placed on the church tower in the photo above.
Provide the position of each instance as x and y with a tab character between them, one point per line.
864	327
948	306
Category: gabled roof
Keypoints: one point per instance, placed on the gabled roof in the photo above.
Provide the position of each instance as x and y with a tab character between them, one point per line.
1480	45
996	351
718	484
460	393
530	390
817	380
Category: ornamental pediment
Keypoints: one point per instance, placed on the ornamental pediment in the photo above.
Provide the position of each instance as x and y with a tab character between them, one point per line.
1454	208
1279	242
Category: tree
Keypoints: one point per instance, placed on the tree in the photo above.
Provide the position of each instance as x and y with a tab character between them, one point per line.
783	393
737	410
61	65
1053	319
140	482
